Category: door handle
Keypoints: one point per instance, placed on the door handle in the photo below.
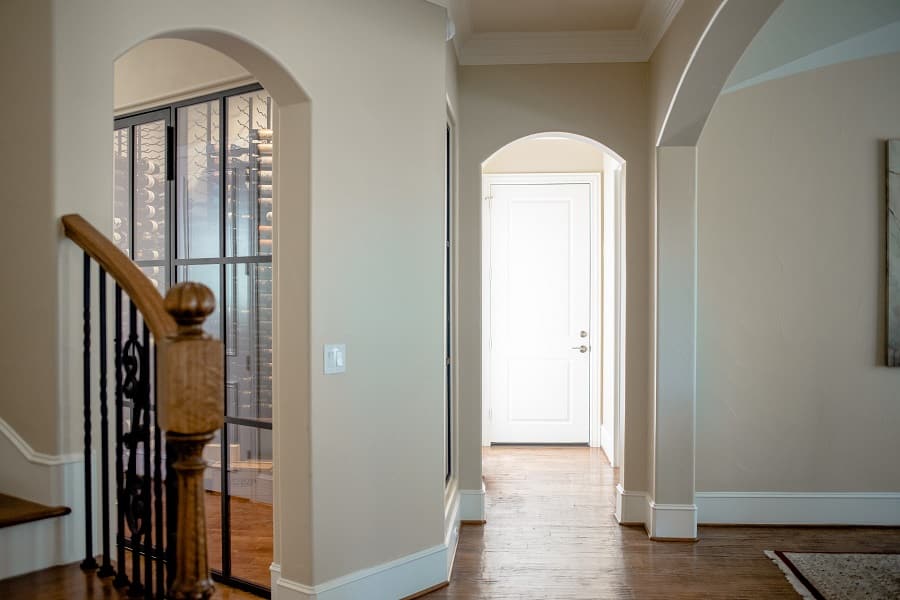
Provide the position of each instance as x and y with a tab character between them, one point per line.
581	348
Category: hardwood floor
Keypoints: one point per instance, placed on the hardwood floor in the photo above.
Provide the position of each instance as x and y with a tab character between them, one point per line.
69	582
251	537
551	533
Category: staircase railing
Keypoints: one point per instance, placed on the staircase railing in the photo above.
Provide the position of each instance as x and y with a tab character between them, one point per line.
168	404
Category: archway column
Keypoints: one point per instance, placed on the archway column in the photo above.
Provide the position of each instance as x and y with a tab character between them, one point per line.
672	513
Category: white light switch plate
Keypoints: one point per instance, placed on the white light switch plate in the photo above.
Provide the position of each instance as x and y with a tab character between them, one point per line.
335	358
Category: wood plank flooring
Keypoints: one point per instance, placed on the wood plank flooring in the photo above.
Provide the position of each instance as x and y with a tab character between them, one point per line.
551	533
251	537
69	582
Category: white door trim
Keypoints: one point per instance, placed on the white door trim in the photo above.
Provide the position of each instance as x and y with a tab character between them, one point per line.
593	180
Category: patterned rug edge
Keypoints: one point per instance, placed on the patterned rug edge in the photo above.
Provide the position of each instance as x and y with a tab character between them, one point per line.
800	587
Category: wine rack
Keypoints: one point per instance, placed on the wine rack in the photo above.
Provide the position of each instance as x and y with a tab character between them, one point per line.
211	221
121	190
262	139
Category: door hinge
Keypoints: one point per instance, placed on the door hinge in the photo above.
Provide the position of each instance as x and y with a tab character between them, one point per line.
490	414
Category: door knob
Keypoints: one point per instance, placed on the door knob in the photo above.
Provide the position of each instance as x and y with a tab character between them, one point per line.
581	348
583	334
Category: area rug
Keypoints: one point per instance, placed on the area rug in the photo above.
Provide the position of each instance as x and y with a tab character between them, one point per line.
840	576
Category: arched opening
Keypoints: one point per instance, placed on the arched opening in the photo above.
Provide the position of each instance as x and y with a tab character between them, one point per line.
552	309
203	122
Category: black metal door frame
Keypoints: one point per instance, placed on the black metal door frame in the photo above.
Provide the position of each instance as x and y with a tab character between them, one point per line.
171	262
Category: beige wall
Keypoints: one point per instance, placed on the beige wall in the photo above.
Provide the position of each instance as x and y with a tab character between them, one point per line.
791	391
375	77
28	319
605	102
165	70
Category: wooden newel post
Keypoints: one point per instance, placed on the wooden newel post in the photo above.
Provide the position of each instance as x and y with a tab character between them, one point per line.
191	410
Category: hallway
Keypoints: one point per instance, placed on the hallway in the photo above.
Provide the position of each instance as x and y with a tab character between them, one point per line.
551	533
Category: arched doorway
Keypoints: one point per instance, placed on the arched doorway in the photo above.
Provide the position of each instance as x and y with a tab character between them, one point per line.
198	143
557	385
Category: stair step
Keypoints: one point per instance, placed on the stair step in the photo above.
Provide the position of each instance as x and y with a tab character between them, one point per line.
15	511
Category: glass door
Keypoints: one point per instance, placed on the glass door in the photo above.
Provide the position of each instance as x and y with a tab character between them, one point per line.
220	234
142	179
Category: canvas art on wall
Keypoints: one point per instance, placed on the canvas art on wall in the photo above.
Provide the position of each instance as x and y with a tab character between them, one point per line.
893	253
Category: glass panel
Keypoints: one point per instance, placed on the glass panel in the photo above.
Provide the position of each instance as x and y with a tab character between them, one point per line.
248	175
157	276
198	180
250	486
212	454
121	193
150	191
248	341
208	275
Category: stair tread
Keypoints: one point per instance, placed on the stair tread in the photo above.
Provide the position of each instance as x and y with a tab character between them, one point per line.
15	511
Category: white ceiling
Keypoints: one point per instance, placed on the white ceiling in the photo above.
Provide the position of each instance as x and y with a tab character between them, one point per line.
490	32
491	16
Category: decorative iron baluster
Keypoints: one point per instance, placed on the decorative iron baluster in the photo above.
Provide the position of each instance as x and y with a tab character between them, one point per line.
158	551
171	512
106	569
121	576
135	501
148	475
89	562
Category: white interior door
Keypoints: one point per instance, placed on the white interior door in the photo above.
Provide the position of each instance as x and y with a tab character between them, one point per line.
540	312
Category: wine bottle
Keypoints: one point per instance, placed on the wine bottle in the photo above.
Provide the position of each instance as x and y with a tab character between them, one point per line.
145	196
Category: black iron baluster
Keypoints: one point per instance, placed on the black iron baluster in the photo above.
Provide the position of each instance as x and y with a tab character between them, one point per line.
146	491
133	483
88	562
121	576
158	485
106	570
171	513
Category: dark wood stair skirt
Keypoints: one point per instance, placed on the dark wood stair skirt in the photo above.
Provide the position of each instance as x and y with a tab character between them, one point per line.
15	511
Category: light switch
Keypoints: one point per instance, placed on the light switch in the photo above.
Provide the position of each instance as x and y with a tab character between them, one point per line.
335	358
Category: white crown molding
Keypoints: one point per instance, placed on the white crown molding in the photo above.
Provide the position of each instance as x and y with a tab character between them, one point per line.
521	48
32	455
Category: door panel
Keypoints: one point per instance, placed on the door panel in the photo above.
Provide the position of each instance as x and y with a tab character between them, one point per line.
540	304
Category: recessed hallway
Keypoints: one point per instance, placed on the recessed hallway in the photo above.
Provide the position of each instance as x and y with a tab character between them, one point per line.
551	533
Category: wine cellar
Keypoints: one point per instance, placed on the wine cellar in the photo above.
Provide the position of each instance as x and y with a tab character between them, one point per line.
193	201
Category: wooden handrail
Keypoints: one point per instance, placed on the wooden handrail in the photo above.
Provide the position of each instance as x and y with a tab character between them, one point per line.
130	278
189	387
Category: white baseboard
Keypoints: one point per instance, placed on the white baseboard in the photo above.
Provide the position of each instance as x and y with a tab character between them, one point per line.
471	504
607	442
672	521
799	508
389	581
451	530
54	480
631	507
396	579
